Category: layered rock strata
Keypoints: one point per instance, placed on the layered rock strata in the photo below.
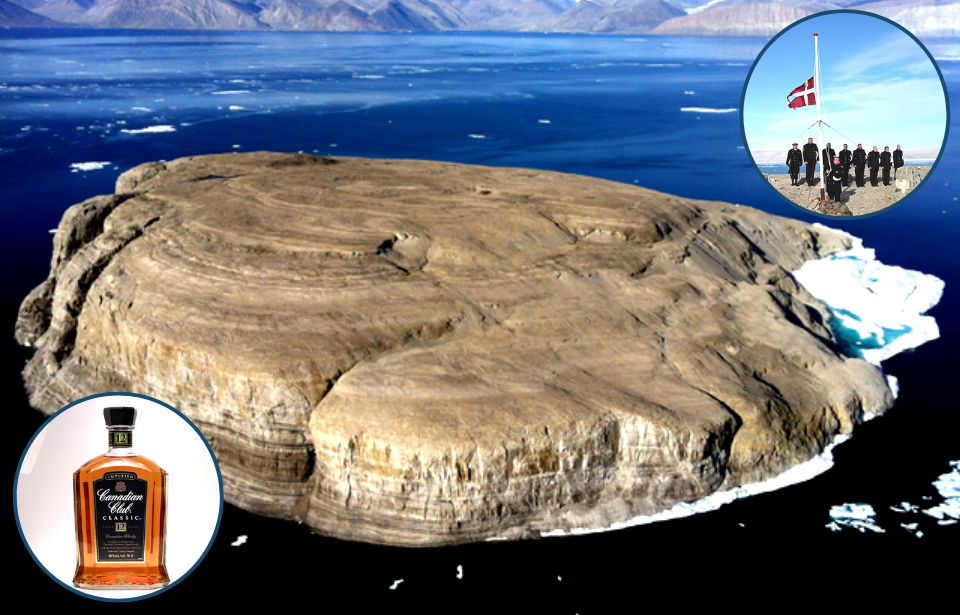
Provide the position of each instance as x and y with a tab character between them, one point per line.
423	353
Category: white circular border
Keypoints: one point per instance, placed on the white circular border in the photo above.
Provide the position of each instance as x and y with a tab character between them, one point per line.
43	496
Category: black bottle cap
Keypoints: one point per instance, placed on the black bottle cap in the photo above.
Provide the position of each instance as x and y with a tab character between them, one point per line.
120	416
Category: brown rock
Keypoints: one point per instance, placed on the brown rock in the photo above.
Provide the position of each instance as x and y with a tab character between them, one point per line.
751	19
424	353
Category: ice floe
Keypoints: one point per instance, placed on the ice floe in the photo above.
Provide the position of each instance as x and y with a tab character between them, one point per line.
88	166
878	310
161	128
947	513
857	516
707	110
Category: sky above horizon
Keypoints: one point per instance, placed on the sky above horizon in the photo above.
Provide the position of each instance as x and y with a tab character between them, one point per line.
879	88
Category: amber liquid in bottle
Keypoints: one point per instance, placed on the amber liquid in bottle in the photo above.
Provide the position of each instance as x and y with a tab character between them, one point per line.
120	502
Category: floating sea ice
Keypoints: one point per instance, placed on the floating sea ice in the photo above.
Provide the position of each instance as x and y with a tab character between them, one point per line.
241	539
858	516
877	309
136	131
707	110
544	121
477	136
689	92
88	166
142	109
948	485
222	92
235	108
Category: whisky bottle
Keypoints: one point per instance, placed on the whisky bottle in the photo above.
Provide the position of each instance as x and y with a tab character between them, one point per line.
120	502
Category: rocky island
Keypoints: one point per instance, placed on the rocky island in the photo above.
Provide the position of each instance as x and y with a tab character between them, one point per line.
424	353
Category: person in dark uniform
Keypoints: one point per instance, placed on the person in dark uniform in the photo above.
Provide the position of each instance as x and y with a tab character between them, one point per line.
845	157
897	159
810	158
859	161
794	160
873	161
886	159
827	155
835	180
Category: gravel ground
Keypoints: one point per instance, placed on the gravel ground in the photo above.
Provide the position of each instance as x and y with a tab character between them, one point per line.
859	201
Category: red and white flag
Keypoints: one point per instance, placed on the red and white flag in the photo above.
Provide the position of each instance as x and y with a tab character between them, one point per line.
803	95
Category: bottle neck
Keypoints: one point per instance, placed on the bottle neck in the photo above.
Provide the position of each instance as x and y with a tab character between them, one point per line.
120	441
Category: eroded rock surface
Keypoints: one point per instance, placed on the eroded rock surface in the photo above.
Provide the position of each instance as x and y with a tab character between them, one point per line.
423	353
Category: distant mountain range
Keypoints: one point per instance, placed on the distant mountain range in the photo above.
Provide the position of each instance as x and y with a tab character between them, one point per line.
925	18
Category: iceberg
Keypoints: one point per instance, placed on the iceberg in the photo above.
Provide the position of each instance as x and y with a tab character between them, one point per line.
877	310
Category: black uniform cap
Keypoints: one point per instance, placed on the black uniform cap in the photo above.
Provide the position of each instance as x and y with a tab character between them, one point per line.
120	415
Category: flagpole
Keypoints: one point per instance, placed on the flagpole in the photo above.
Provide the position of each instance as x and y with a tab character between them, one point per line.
819	97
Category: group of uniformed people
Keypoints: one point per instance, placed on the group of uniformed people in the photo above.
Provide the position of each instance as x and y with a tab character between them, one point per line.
837	167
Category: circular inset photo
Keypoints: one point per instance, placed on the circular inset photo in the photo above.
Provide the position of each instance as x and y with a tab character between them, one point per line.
118	496
844	113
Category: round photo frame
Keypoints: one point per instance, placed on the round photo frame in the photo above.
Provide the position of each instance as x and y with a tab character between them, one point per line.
44	498
770	84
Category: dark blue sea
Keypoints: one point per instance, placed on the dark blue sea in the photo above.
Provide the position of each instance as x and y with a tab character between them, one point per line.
605	106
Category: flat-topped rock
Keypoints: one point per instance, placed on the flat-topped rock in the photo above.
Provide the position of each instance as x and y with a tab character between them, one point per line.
424	353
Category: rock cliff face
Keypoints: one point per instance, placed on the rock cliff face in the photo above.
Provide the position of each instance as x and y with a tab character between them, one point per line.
756	19
16	16
423	353
624	16
924	18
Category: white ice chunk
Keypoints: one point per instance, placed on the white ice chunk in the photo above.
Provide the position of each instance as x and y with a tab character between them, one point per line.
88	166
241	539
857	516
137	131
707	110
878	309
949	487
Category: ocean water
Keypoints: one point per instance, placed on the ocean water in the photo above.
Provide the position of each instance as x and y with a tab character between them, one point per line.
77	108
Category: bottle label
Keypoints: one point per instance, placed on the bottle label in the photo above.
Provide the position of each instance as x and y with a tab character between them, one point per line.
120	506
121	438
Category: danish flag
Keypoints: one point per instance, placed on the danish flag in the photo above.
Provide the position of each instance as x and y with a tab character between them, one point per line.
803	95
